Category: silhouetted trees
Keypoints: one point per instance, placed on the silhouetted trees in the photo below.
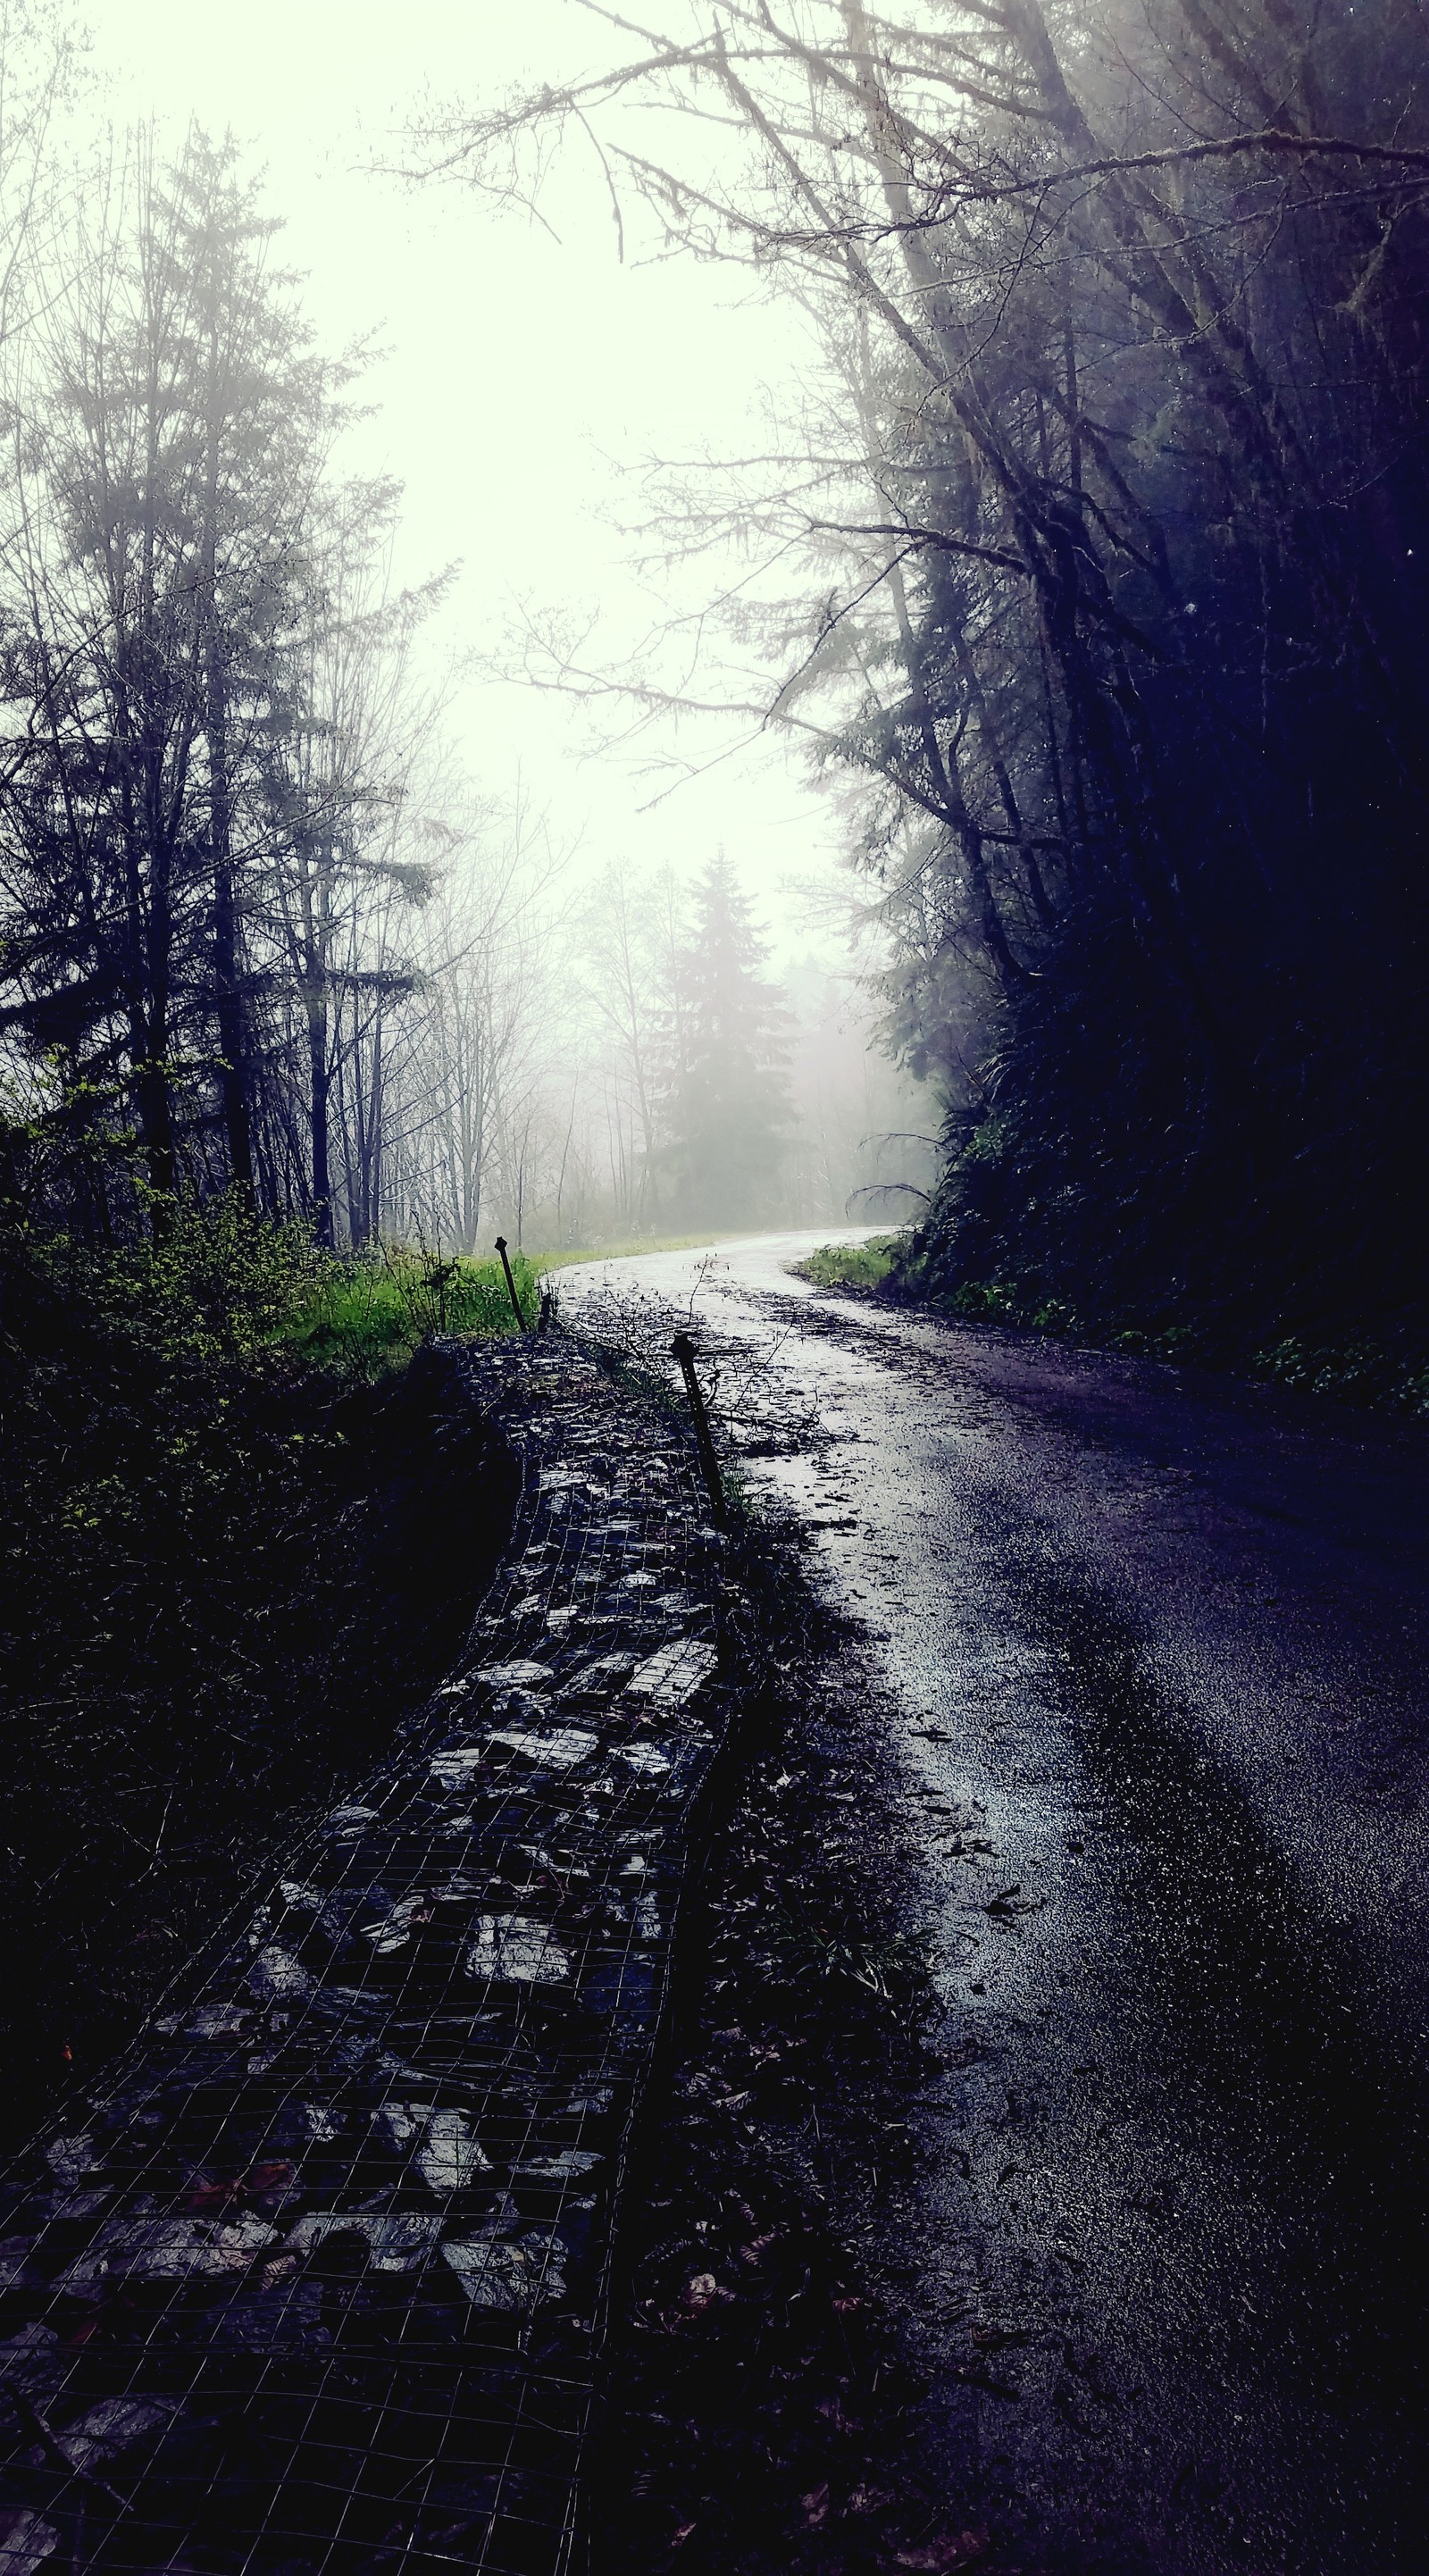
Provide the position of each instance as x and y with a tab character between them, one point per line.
207	818
260	937
1113	509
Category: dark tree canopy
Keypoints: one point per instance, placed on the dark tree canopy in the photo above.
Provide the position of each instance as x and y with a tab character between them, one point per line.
1113	503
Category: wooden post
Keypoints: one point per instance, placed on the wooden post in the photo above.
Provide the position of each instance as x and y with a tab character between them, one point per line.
683	1349
511	1285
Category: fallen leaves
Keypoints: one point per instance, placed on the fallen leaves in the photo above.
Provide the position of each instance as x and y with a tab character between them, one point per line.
752	2255
941	2557
969	2376
257	2183
1010	1902
704	2291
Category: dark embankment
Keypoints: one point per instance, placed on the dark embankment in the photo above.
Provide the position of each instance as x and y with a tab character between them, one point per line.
225	1575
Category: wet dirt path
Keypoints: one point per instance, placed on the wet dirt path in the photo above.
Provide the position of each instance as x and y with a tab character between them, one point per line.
1152	1647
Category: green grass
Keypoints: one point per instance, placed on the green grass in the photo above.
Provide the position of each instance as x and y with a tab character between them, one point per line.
852	1265
370	1313
224	1284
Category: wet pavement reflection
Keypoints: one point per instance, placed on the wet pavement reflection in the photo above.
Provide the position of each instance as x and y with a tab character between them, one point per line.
1152	1645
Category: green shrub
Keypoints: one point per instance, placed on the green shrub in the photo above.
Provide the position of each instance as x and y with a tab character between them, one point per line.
853	1265
370	1312
222	1284
218	1286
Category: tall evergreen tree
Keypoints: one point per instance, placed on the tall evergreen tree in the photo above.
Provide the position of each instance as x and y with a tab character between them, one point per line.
729	1106
171	426
203	833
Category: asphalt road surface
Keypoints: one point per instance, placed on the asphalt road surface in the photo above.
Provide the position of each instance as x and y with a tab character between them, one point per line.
1153	1649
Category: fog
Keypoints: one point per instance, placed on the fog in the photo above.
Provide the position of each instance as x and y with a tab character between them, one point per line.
763	535
518	377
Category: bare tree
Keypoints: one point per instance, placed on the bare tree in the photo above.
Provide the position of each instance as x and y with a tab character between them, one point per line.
485	1039
1097	555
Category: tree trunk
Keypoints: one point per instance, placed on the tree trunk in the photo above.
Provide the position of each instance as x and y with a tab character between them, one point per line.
315	1000
233	1066
228	998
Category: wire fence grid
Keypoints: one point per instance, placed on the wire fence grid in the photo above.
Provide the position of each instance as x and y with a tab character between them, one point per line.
316	2281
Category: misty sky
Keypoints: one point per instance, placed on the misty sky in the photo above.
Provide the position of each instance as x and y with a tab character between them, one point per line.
522	374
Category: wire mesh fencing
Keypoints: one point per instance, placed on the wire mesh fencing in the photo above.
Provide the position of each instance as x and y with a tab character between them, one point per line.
316	2280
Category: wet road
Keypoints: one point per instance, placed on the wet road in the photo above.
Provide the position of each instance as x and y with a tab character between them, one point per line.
1153	1649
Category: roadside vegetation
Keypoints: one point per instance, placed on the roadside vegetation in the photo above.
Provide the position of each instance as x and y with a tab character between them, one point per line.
237	1544
1387	1371
370	1311
853	1265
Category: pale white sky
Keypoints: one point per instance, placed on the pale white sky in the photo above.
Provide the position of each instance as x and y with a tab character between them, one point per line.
523	373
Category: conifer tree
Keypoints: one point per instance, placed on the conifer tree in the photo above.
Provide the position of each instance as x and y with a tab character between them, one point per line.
728	1106
201	658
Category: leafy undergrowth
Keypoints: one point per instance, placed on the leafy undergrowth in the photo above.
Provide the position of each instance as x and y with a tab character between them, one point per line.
761	2422
368	1312
852	1265
1386	1369
226	1573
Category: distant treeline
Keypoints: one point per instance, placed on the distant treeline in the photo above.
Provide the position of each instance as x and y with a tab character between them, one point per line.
1112	499
259	933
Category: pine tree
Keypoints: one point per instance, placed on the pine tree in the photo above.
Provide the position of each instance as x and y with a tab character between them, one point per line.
204	838
172	425
728	1106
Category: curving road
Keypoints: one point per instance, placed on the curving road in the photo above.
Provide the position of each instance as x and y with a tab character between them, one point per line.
1153	1649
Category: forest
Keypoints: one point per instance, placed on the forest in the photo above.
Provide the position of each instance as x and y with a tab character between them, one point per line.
261	933
1092	578
1089	581
713	1345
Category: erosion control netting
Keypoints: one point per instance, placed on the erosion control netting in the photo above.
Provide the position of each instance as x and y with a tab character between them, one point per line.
318	2283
